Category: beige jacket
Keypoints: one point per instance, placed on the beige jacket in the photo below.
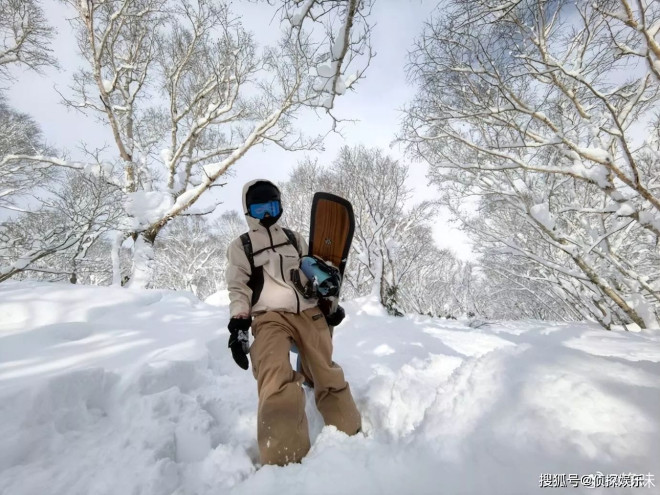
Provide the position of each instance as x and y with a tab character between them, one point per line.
274	257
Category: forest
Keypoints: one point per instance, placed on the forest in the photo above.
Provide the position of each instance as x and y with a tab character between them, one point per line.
538	120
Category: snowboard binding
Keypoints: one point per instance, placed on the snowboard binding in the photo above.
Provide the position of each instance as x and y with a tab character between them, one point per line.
321	279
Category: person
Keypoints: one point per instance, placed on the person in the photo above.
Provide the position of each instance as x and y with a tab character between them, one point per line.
262	296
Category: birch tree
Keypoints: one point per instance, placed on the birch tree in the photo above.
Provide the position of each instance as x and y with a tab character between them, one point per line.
545	113
186	93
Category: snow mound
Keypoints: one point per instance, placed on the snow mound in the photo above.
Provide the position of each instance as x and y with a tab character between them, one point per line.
220	298
116	391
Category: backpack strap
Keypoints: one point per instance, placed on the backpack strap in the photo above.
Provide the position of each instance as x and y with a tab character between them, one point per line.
292	239
247	247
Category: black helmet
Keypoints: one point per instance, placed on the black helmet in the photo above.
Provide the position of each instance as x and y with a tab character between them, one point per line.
262	192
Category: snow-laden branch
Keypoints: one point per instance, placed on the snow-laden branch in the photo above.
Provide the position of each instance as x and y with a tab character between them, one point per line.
24	36
536	111
347	52
186	93
497	95
12	163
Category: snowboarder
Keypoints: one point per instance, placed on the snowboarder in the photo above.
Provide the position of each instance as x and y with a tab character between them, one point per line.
262	296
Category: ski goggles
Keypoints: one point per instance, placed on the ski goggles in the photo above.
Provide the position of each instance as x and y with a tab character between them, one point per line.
260	210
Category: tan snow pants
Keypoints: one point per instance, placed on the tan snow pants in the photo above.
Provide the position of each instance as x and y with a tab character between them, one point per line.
282	431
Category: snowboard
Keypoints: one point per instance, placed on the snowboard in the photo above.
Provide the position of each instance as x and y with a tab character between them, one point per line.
331	229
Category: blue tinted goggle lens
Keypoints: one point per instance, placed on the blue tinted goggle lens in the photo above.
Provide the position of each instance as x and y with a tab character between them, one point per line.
259	210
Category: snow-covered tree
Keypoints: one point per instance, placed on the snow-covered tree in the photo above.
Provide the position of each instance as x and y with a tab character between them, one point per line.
191	252
305	179
188	256
24	36
25	159
385	230
393	254
186	92
544	116
54	239
19	135
229	226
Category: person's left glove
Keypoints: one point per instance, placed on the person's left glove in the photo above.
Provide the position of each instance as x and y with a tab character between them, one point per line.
239	340
336	318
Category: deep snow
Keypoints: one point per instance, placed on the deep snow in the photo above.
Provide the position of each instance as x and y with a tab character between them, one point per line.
123	391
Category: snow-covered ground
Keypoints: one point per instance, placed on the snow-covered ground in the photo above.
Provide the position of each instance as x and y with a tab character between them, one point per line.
121	391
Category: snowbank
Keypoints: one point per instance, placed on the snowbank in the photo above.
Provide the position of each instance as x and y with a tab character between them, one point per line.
118	391
220	298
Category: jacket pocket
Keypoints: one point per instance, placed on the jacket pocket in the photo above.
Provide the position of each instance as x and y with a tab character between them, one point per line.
318	321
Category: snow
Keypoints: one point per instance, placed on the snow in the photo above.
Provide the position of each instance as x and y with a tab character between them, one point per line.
541	213
340	87
645	310
351	79
107	85
143	258
21	263
98	169
166	156
108	390
186	197
648	218
520	185
220	298
595	172
325	84
541	116
625	210
325	70
338	45
117	239
598	155
146	207
299	15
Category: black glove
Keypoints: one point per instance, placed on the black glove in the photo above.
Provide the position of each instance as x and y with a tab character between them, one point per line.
336	318
239	340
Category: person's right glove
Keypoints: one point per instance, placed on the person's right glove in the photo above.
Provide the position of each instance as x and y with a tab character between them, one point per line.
239	340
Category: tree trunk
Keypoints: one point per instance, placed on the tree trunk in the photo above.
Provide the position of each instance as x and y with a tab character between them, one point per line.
117	241
143	260
609	291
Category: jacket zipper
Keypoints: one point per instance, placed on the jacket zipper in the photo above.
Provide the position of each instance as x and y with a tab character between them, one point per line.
272	244
295	292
